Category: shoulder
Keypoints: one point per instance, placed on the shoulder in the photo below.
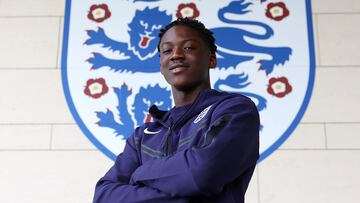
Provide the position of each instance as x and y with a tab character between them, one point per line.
222	96
236	108
234	102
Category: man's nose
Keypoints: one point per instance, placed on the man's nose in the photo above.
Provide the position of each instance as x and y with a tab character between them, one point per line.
178	54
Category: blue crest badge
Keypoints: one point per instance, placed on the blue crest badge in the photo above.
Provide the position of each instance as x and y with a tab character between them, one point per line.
111	74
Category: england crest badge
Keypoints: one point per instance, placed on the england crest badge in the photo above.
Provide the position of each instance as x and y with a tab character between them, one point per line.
110	63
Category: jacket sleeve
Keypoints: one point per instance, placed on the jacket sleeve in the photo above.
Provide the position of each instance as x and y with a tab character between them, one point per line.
114	187
205	170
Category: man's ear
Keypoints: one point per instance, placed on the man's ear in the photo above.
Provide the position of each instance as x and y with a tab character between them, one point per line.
161	70
212	62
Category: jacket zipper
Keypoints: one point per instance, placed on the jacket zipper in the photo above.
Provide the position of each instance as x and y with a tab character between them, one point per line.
168	141
170	129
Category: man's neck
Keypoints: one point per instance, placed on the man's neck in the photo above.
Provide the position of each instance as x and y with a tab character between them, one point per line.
183	98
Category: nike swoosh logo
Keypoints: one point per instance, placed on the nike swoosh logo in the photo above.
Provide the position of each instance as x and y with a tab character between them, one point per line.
151	132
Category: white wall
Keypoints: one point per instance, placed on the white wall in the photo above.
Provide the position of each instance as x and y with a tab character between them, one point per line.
45	158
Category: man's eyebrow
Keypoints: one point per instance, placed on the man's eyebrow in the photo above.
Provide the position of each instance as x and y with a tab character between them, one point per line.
184	41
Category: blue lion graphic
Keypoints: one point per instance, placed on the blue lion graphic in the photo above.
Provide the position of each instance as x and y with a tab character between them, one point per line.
238	82
234	48
140	51
144	30
143	100
234	39
146	98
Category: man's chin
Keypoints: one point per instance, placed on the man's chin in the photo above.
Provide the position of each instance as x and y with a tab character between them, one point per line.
186	87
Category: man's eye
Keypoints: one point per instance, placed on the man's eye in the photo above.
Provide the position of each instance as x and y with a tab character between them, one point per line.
166	51
189	48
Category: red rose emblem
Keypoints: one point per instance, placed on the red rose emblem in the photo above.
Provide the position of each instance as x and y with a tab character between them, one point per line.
277	11
279	87
187	11
96	88
99	13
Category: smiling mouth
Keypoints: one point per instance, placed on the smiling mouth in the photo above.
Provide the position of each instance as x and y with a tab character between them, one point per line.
178	68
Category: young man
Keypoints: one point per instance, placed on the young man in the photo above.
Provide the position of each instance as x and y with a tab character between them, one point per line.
204	149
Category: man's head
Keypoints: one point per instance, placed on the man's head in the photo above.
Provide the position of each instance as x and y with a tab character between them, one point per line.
203	32
187	52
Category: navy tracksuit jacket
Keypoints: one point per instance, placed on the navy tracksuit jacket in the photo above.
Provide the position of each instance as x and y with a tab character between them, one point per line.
203	152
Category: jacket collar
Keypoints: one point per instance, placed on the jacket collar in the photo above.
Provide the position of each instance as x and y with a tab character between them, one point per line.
203	100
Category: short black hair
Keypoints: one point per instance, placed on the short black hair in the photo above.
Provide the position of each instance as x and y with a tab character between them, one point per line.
204	33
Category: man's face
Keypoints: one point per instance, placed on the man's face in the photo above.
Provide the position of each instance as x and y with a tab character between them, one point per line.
185	59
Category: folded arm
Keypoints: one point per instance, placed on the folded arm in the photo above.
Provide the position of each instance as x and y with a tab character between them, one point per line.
114	187
205	170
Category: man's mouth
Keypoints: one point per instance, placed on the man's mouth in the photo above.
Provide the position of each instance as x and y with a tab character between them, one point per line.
178	67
